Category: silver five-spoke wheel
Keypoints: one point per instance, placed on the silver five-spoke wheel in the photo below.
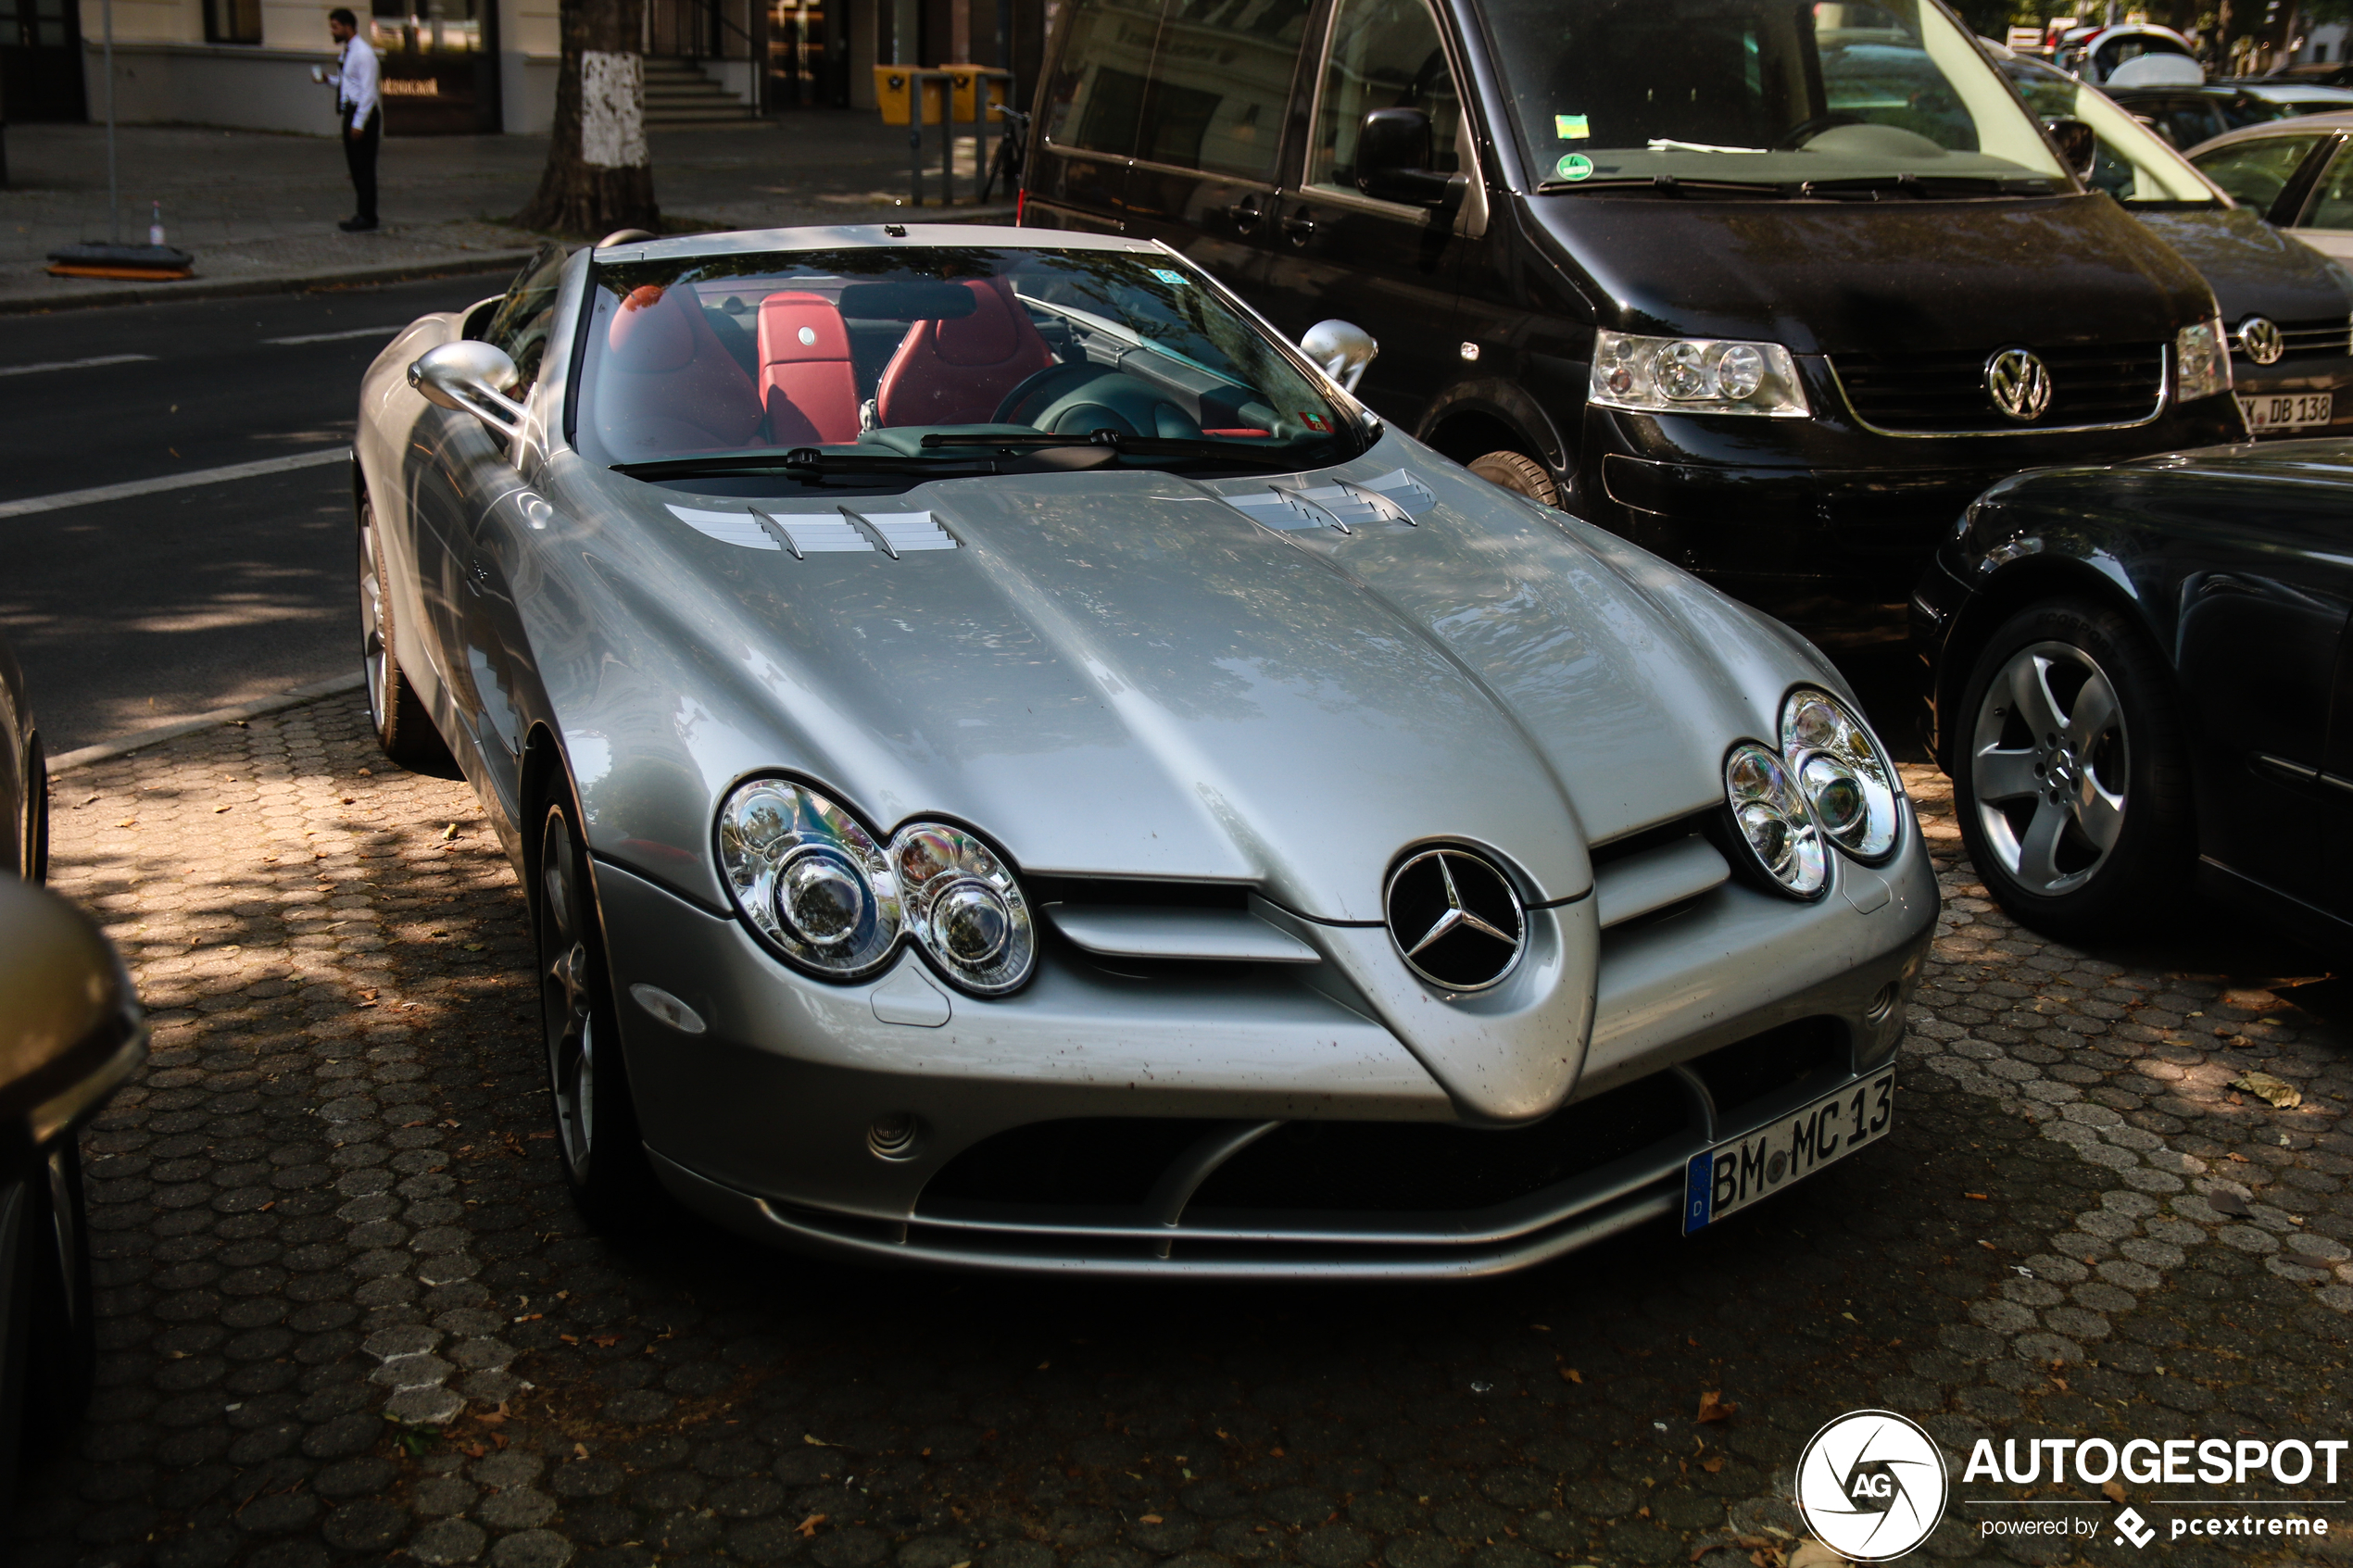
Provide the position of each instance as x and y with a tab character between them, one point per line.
2050	766
375	630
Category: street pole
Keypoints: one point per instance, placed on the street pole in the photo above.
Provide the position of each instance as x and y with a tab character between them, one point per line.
114	189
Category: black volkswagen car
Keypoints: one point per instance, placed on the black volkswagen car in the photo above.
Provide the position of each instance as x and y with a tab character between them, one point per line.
1773	290
2140	679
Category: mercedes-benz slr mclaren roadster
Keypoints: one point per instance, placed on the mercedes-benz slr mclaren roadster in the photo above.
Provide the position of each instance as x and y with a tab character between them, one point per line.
1014	765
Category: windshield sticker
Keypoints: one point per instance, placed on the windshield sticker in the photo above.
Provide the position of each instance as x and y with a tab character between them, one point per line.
1170	276
1572	127
1575	166
1315	422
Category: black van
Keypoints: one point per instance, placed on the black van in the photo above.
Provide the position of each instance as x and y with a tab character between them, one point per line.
1772	288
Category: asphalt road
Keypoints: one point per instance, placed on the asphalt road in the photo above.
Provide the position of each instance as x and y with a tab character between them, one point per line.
128	614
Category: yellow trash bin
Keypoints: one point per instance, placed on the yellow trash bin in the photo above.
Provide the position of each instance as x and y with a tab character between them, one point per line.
964	80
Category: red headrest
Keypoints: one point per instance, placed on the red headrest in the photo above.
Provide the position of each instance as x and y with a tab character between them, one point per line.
985	337
651	333
797	327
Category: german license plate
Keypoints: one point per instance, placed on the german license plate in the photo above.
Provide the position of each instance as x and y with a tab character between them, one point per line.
1734	1174
2268	411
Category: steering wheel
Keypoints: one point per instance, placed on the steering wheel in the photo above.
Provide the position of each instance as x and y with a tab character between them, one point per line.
1805	131
1029	383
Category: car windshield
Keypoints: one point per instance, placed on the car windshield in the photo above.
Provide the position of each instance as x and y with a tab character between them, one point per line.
2133	165
1761	92
841	362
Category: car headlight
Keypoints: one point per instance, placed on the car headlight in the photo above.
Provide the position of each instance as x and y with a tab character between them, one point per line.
809	878
2201	361
964	907
1697	375
1773	819
1854	794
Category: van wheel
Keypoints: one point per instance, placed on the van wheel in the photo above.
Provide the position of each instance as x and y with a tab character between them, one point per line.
1519	473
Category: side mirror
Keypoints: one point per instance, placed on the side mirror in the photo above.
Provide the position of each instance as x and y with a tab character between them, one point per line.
470	377
1342	349
2076	143
1394	159
71	1028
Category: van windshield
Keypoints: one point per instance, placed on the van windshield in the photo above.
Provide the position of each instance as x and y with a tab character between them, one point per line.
1613	93
2133	164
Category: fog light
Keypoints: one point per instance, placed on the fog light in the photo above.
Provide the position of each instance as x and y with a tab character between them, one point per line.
1884	1005
894	1135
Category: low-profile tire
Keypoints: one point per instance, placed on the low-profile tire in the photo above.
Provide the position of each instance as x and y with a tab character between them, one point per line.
2070	775
64	1324
1519	473
596	1120
34	857
404	729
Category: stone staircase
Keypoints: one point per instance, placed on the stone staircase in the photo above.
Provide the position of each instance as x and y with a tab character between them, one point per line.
678	94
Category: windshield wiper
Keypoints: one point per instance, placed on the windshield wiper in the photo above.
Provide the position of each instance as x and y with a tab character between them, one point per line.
801	460
1118	440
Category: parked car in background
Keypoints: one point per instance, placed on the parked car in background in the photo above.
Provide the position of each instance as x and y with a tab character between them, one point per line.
2139	681
2289	309
70	1035
2131	54
2297	173
2290	98
2188	115
1772	291
1012	767
24	779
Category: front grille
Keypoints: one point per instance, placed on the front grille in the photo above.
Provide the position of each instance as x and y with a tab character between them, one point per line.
2324	335
1944	393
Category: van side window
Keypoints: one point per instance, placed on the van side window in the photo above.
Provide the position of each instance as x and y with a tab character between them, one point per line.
1384	55
1220	83
2256	171
1096	98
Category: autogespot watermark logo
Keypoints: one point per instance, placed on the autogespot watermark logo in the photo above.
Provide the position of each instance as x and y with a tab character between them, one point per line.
1870	1486
2240	1465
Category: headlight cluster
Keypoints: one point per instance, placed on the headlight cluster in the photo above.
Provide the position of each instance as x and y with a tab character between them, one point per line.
817	885
1828	783
2201	361
1695	375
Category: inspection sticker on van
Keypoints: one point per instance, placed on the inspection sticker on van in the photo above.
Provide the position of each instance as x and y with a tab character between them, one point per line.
1738	1172
1572	127
1575	166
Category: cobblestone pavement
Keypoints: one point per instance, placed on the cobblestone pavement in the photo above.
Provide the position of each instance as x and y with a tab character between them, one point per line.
349	1313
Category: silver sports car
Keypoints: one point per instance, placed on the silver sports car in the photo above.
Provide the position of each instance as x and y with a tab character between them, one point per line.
1015	767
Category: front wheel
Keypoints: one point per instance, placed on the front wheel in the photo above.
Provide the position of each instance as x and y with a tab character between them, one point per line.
596	1119
2071	786
404	730
1519	473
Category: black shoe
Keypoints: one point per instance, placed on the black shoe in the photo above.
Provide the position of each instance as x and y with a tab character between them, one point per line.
356	225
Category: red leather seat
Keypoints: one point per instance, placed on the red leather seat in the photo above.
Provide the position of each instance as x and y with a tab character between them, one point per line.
668	384
805	373
955	370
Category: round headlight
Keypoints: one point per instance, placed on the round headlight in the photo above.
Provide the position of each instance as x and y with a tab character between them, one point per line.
1683	370
1774	819
809	878
1740	371
1856	796
964	907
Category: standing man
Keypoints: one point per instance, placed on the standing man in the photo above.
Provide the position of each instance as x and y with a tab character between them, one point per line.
358	111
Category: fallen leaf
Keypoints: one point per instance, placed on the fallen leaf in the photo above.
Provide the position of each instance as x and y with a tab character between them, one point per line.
1814	1554
1148	1518
2113	1491
818	1443
580	1451
1988	1246
449	834
1712	1463
2234	1154
1713	1407
808	1526
1569	1375
2225	1202
2280	1093
217	810
1979	1197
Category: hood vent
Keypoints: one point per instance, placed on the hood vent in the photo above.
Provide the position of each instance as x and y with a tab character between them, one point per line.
805	533
1395	498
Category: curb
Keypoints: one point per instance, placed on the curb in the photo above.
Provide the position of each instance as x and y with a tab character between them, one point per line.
231	288
104	750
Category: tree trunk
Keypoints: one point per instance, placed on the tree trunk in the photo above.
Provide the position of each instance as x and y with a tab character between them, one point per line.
599	177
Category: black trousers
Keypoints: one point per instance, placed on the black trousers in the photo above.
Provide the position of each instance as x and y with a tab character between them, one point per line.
359	154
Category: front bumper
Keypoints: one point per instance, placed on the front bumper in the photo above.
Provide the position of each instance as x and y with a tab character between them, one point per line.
1244	1124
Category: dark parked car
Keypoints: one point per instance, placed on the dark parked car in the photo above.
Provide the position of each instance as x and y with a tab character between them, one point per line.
2188	115
2140	680
1772	290
24	779
70	1034
2297	173
2289	309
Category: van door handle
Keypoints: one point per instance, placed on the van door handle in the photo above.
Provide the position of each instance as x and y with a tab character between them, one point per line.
1299	228
1245	214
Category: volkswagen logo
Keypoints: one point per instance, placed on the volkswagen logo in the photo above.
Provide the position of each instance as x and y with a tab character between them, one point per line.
2018	383
2260	341
1455	919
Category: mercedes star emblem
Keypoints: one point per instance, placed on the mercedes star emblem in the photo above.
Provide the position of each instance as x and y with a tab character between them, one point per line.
2261	340
1456	919
2018	383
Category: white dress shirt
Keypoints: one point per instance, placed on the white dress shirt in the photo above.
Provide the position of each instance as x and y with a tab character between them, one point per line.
355	82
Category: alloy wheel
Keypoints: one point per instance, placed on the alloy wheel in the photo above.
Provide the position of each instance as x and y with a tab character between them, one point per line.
2049	764
375	642
568	995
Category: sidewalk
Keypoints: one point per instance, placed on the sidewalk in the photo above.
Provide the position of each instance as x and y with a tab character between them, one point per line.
259	211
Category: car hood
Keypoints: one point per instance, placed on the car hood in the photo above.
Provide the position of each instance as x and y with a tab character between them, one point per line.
1873	277
1128	675
2254	268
